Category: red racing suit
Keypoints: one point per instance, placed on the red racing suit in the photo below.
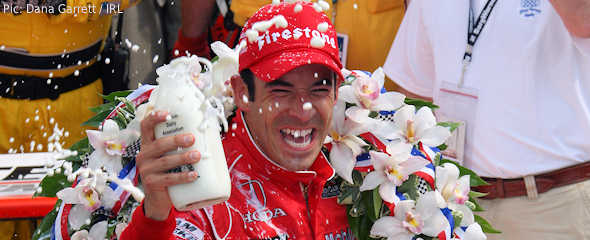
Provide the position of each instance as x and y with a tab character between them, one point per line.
266	202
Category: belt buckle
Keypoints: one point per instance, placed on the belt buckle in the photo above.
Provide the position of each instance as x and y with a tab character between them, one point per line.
531	187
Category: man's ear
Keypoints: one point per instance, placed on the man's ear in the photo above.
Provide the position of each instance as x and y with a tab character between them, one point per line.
240	93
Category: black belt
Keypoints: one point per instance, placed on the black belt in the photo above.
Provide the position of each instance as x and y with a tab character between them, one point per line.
29	87
18	60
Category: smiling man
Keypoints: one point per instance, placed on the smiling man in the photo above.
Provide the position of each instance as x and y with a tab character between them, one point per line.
282	183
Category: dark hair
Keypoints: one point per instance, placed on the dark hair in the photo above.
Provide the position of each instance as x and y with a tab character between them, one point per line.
248	77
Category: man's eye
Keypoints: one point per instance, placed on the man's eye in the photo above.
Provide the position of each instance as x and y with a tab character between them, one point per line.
321	91
281	91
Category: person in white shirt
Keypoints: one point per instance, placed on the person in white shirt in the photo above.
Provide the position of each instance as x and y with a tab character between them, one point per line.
521	85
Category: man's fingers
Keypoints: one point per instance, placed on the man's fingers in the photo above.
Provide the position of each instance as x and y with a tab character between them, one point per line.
149	123
166	144
166	163
161	181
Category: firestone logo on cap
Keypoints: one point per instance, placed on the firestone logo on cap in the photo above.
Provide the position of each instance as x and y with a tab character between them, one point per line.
281	37
320	39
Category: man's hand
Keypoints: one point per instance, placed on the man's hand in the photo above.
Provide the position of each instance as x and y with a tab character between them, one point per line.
153	166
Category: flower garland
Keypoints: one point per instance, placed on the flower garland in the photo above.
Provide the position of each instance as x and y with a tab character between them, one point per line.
394	181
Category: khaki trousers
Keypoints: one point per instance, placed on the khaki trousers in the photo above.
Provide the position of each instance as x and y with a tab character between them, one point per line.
560	213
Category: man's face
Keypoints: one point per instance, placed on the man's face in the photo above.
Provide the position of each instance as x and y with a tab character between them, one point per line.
290	117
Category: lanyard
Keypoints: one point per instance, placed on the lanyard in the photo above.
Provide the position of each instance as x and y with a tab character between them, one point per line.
473	33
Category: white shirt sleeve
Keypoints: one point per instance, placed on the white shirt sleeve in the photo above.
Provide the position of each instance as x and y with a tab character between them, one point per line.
410	62
583	44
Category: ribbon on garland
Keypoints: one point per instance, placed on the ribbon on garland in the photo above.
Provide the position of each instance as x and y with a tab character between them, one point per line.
448	232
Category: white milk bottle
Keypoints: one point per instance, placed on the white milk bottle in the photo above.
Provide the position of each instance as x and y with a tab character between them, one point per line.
187	106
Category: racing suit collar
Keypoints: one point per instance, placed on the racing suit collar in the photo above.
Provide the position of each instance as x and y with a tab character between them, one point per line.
320	170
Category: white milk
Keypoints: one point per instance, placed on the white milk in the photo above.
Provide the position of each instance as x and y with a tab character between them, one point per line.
186	105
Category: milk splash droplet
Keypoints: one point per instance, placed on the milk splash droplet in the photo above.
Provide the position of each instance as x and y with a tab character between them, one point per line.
324	5
252	35
317	7
317	42
244	99
298	8
107	60
155	59
323	27
307	106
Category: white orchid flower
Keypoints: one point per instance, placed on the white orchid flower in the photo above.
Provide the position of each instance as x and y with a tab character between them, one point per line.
80	235
454	190
412	127
474	232
109	144
97	232
346	145
424	217
390	172
365	93
84	193
79	216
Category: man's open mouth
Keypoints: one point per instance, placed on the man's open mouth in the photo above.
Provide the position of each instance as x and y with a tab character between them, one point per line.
297	138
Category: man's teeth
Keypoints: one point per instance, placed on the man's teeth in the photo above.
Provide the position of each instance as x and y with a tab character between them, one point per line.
299	137
297	132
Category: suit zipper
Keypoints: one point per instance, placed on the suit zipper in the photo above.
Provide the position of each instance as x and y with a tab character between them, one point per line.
304	189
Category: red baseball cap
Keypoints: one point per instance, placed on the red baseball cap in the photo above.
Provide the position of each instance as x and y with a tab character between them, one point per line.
281	37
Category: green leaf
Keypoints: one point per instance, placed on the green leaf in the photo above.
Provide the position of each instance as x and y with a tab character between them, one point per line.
474	179
485	225
347	193
104	107
451	125
214	59
367	200
418	103
478	208
409	187
97	119
357	178
437	159
50	185
457	218
112	224
43	231
81	146
373	114
475	194
354	223
377	203
111	97
442	147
